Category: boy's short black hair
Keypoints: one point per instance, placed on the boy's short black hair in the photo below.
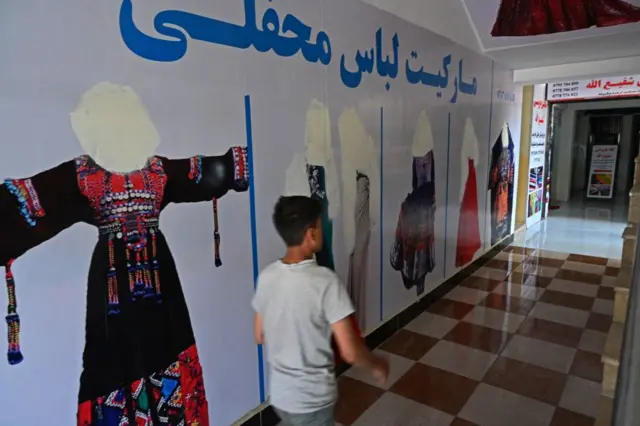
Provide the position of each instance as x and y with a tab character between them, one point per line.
294	215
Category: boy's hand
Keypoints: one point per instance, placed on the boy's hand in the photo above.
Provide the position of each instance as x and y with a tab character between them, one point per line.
381	371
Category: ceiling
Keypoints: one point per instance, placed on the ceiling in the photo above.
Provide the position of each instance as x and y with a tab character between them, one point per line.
469	23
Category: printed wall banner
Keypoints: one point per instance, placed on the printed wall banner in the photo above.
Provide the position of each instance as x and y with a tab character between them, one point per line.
602	171
409	142
537	153
602	88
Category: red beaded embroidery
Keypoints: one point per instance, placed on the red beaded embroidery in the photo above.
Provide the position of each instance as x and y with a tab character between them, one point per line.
127	207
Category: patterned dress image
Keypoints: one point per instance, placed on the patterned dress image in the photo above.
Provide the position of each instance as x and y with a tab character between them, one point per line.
140	362
359	259
520	18
413	251
317	185
468	242
501	185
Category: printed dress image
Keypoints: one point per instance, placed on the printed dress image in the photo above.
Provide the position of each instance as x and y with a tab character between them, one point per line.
140	362
360	166
359	258
318	188
413	251
468	241
501	181
518	18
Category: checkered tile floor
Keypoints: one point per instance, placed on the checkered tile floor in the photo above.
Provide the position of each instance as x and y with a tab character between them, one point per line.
519	343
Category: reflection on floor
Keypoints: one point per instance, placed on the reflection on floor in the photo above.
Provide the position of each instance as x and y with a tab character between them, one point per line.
591	227
518	343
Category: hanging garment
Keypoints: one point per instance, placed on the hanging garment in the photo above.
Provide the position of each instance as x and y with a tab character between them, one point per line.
413	251
317	185
468	242
501	185
518	18
140	362
359	259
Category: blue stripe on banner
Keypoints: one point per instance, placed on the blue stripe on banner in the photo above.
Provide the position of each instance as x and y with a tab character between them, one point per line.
487	208
446	197
381	215
254	234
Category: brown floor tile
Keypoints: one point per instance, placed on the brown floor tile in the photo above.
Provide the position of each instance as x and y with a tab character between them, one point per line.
450	308
543	261
436	388
581	277
527	380
529	280
478	283
551	332
461	422
588	259
564	417
509	304
611	271
588	366
567	299
408	344
606	293
599	322
505	265
478	337
355	398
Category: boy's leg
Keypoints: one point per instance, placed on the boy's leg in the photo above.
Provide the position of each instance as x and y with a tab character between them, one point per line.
322	417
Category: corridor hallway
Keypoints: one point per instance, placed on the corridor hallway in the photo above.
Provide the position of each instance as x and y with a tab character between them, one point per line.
517	343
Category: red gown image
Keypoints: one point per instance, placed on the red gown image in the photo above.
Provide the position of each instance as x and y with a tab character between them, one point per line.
519	18
140	362
468	242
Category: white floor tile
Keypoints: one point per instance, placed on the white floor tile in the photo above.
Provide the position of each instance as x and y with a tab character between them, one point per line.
395	410
593	341
467	295
493	318
397	367
603	306
518	290
560	314
432	325
491	273
491	406
512	257
584	267
573	287
541	271
538	352
458	359
581	396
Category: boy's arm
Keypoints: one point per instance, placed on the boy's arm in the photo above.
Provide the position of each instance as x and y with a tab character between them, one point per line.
338	310
257	329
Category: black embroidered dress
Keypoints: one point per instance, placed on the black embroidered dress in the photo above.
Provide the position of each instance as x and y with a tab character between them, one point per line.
140	362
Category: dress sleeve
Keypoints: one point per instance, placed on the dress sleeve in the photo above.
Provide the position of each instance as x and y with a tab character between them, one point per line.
32	211
201	178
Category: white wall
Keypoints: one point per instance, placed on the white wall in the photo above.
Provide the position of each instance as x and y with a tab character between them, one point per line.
563	149
213	97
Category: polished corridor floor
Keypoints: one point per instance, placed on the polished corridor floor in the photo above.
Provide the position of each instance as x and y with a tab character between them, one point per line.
518	343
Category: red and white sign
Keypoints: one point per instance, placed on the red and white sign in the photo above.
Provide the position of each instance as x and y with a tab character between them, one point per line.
602	88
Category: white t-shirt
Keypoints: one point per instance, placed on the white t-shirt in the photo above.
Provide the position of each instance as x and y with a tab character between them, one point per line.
298	304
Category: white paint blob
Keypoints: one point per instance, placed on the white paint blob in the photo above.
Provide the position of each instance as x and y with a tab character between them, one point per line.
114	127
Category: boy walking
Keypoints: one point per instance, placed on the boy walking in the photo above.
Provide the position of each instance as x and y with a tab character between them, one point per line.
299	305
